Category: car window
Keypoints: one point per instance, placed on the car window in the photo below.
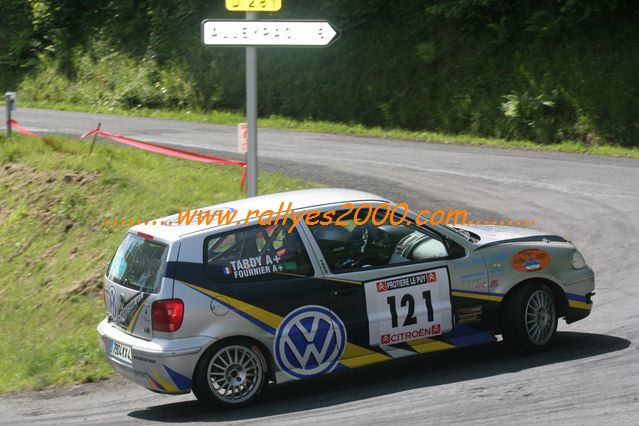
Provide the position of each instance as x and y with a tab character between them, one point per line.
356	243
257	253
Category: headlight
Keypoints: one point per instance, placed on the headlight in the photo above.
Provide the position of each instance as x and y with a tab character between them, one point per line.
578	260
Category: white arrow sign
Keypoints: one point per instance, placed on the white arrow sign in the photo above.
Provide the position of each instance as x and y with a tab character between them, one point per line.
267	33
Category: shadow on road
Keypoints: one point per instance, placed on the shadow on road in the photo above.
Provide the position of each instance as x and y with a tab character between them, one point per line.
396	376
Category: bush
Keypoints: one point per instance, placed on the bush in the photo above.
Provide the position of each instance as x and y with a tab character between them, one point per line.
112	80
537	117
544	71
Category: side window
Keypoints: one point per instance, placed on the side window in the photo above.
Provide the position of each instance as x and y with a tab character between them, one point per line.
357	243
257	253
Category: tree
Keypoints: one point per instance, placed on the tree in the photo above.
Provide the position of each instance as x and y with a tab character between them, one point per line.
17	50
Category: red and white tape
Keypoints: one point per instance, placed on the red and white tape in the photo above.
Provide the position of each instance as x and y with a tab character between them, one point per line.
164	150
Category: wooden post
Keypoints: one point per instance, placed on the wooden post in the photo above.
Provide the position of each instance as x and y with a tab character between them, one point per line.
95	135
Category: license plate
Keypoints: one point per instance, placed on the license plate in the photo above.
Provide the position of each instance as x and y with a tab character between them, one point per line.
121	352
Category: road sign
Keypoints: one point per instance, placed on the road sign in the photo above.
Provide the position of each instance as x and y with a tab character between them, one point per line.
253	5
267	33
252	33
242	138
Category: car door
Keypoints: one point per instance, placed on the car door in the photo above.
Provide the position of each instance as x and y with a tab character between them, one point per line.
388	281
264	266
269	270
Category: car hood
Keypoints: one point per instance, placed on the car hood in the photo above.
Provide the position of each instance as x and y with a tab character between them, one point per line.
496	234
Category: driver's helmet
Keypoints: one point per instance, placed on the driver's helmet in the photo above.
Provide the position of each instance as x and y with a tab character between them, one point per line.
406	246
330	234
417	246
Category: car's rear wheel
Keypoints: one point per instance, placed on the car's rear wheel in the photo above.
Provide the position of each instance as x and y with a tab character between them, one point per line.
529	321
230	374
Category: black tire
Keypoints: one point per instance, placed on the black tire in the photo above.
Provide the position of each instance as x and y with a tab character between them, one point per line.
529	320
245	376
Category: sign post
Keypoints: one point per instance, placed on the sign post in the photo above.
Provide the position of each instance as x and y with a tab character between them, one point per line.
251	114
251	33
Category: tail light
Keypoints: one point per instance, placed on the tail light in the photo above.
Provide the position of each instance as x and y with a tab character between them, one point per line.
167	315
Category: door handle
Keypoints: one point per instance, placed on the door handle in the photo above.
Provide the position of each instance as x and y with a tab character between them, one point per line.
342	292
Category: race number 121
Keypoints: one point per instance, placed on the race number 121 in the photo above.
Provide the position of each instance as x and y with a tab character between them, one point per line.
407	301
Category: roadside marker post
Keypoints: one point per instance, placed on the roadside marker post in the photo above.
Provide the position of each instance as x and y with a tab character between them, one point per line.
242	138
242	144
251	33
10	99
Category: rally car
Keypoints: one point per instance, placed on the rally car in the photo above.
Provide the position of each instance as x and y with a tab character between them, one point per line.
224	309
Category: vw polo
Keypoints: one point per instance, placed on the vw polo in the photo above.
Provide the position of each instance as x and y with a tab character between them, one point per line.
223	310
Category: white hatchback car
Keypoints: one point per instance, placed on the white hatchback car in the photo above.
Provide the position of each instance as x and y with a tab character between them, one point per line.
222	310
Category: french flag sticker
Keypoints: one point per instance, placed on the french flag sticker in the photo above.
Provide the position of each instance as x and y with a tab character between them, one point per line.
228	270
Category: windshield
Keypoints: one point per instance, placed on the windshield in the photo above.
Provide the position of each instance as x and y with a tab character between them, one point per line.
139	264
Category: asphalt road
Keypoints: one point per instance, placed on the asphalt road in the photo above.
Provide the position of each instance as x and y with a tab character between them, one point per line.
590	377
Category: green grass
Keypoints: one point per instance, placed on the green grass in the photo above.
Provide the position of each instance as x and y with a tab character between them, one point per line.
54	246
279	122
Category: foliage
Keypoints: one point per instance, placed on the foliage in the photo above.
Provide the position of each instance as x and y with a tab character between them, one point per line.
16	44
538	117
438	65
112	80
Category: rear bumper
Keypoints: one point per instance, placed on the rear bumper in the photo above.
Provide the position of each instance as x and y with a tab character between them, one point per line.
161	365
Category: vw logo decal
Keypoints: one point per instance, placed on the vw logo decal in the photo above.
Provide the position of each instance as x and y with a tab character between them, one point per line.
309	342
112	302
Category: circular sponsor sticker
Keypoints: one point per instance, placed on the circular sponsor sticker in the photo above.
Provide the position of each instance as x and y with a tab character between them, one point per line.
531	260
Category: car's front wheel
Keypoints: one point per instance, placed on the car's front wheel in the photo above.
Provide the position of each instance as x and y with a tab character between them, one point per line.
529	321
231	374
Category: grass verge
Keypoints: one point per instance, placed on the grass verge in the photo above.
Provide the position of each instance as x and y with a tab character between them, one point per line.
279	122
54	246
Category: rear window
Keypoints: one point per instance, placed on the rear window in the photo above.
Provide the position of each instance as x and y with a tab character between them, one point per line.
139	264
